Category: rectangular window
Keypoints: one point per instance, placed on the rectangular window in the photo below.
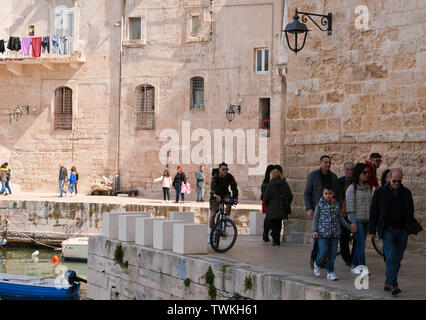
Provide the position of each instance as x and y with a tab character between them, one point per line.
135	30
262	63
265	115
195	24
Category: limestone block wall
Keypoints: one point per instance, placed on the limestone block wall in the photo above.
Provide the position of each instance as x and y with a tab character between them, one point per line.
361	91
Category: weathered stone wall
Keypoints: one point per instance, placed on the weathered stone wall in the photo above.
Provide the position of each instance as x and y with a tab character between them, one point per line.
361	91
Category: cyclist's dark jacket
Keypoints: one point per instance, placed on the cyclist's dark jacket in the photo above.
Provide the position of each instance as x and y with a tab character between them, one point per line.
220	187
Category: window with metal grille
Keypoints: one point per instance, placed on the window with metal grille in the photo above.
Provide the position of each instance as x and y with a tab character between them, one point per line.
145	107
197	93
63	109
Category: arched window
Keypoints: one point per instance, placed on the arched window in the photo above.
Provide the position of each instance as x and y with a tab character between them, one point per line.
145	107
197	93
63	109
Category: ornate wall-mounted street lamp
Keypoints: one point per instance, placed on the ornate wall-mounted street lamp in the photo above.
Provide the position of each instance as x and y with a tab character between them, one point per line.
297	28
230	112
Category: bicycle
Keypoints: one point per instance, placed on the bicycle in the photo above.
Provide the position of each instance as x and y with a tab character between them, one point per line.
224	232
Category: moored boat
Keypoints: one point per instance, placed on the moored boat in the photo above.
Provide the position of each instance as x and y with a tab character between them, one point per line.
75	248
18	287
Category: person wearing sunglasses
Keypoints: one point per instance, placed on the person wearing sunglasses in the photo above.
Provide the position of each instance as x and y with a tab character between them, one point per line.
373	165
219	190
392	211
358	201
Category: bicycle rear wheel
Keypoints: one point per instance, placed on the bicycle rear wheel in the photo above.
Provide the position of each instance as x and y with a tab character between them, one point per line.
223	235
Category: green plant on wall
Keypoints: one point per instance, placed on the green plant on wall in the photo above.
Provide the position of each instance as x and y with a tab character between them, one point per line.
187	282
248	283
209	276
119	255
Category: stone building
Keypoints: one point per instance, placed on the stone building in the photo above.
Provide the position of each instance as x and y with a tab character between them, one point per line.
143	85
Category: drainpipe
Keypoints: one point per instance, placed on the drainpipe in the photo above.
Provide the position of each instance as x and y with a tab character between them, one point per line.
117	169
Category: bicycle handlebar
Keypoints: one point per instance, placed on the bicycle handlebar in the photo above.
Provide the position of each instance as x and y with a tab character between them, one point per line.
232	202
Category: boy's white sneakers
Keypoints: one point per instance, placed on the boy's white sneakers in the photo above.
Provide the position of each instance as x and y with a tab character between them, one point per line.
332	276
317	271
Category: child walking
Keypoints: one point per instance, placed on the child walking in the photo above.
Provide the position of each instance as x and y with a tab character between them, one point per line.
73	181
326	226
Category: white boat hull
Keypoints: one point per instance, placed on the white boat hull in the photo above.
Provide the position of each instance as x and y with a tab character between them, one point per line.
75	248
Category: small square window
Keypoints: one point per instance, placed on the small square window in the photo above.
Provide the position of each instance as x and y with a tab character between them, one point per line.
135	32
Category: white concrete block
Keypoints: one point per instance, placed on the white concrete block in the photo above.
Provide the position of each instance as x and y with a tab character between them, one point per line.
182	215
144	230
126	225
190	238
256	223
163	234
110	224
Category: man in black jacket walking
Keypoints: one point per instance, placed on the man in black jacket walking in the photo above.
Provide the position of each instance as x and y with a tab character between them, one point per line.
392	208
63	174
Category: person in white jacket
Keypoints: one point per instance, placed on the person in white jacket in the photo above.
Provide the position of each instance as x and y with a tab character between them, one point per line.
166	180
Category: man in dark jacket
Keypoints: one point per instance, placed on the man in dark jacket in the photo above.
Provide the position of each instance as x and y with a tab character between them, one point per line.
63	174
392	208
345	233
177	183
219	190
316	180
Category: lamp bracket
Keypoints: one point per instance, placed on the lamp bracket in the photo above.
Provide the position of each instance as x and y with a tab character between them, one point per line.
326	20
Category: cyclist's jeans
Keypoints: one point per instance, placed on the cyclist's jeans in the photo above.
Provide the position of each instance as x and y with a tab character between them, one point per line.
327	248
359	237
394	245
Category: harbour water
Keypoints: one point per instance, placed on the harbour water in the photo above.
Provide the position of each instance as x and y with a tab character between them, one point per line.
15	260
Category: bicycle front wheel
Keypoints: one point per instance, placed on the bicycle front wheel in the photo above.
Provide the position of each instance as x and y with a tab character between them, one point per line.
223	235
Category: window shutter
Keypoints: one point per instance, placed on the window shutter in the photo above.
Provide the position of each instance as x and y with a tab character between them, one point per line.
63	109
145	107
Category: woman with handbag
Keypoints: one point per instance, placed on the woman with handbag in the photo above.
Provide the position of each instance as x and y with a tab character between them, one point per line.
180	178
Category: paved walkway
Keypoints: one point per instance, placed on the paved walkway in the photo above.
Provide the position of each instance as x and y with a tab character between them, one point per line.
294	258
245	204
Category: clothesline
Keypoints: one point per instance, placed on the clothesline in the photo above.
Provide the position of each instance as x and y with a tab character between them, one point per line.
60	45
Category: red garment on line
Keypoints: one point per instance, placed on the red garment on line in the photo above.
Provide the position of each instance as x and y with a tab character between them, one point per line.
36	47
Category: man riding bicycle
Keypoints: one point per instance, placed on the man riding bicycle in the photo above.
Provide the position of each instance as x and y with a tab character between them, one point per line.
220	184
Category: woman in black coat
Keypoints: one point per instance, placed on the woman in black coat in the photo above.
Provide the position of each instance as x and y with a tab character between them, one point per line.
277	199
